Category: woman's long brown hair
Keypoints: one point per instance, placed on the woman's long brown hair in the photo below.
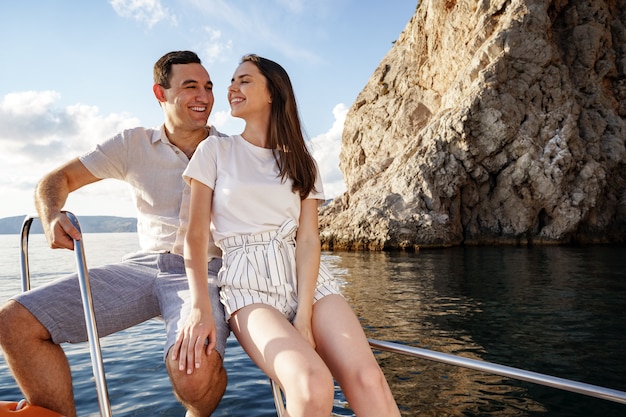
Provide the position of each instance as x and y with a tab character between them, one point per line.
285	135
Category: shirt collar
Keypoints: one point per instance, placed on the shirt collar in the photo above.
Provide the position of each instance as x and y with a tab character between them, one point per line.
160	135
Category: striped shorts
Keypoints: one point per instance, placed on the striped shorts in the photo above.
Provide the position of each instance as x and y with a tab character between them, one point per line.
261	269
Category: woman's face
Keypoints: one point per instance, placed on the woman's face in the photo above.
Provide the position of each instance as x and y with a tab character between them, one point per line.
248	94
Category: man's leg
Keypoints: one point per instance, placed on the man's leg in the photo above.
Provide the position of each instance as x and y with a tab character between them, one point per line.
201	391
39	366
34	324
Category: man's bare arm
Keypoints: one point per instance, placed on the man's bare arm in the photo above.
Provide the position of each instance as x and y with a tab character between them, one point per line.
50	196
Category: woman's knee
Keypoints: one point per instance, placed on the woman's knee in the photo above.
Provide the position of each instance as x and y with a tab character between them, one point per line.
313	388
321	383
369	377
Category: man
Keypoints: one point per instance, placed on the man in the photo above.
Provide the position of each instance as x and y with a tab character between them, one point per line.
144	285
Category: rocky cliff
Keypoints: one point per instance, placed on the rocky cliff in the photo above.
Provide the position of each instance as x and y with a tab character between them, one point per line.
489	122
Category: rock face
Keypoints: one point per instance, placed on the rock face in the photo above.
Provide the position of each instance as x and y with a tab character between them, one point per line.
489	122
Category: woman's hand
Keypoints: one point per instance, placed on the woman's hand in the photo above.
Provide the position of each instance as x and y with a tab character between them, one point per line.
198	337
302	323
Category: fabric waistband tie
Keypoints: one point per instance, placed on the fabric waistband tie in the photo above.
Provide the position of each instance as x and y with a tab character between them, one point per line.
280	251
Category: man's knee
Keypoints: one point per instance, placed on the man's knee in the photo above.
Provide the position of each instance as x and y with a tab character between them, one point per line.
205	385
18	324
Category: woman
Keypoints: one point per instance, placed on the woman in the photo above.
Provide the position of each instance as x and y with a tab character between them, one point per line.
258	193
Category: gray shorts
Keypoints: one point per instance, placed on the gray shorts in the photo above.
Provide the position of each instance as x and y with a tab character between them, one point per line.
139	288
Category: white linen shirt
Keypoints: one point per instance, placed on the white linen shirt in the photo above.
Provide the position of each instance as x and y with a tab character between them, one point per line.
249	196
152	167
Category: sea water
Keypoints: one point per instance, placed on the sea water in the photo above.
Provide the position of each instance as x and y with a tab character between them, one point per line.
554	310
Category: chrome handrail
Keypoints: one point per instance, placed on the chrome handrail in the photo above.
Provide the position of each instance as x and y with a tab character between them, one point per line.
507	371
85	291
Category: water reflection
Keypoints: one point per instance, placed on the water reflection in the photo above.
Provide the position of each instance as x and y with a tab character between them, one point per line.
558	311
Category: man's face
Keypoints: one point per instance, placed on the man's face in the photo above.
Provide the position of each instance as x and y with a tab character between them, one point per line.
189	100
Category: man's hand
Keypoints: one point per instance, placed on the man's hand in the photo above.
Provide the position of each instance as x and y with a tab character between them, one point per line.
60	231
50	196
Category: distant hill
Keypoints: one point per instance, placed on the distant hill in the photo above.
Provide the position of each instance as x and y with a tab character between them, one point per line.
88	224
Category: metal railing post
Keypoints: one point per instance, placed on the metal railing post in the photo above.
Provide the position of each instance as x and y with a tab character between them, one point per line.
90	318
28	221
278	399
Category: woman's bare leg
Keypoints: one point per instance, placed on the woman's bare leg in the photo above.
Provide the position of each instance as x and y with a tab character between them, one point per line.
286	357
342	344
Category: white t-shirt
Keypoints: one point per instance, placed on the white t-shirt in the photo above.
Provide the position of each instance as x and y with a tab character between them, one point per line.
249	196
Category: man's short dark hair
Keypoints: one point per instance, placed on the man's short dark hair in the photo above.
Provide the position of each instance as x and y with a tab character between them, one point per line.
163	67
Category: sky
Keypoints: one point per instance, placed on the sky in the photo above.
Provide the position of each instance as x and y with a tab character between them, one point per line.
74	73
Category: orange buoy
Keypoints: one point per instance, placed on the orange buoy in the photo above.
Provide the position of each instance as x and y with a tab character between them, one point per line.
12	408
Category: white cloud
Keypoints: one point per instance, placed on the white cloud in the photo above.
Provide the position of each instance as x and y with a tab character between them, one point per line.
37	130
219	119
38	136
326	148
217	49
149	12
224	122
28	102
27	117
